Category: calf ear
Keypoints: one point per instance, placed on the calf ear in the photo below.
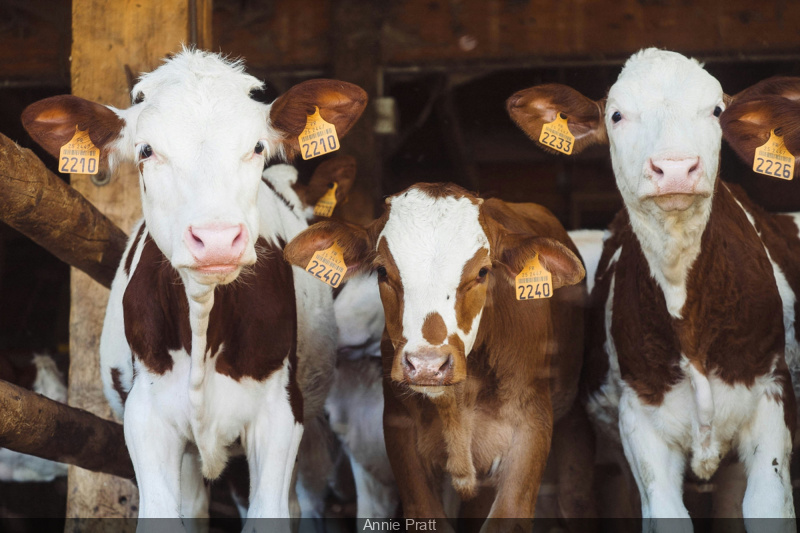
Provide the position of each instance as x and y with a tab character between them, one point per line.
52	122
783	86
515	250
340	170
353	240
747	122
530	109
340	103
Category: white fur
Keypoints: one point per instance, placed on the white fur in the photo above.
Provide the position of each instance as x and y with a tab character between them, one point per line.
15	466
203	128
590	245
431	240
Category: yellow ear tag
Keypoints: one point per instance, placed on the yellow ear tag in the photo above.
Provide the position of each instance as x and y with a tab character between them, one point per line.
326	204
79	155
774	159
328	265
319	137
534	282
556	135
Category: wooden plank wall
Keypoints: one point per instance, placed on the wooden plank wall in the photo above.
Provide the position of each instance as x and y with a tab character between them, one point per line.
110	39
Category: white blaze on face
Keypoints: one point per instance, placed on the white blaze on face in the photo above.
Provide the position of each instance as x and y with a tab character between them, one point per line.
666	138
431	239
202	127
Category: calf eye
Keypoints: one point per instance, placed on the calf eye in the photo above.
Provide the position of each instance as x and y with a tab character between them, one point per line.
381	273
259	149
145	151
717	111
616	117
482	273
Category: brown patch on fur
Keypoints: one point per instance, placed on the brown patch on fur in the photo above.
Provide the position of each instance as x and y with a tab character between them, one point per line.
531	109
506	390
340	103
117	384
132	250
460	360
340	170
471	293
51	122
433	329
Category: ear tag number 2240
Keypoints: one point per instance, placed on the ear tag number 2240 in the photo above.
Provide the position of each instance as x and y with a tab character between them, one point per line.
328	265
533	282
79	155
319	137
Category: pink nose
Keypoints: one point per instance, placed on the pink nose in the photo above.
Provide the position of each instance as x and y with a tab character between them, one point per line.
675	176
216	244
429	366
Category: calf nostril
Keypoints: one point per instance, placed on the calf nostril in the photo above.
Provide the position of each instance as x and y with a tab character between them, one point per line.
655	168
446	365
409	364
195	238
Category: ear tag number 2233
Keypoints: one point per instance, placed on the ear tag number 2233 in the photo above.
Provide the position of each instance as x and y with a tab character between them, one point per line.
328	265
556	135
79	155
319	137
774	159
533	282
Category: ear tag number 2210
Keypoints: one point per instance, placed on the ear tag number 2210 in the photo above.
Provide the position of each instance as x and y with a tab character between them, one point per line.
774	159
328	265
556	135
533	282
79	155
319	137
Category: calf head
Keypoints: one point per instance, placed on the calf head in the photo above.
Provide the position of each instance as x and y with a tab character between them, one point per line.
437	256
661	120
772	104
200	142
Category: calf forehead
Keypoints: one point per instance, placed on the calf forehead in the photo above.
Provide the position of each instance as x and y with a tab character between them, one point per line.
653	78
432	238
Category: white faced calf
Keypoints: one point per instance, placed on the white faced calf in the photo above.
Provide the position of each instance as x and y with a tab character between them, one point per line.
470	394
690	359
197	361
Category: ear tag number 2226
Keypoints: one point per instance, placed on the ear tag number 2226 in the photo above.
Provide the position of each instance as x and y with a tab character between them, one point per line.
319	137
556	135
328	265
533	282
79	155
774	159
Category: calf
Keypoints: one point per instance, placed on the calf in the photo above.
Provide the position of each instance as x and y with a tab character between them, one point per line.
688	356
469	391
209	337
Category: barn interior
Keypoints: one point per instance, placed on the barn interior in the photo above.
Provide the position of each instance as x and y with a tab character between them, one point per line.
438	73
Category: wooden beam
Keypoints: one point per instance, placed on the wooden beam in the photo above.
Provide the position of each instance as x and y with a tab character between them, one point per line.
109	37
36	425
54	215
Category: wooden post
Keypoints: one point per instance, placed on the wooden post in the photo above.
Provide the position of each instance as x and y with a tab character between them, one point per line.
109	36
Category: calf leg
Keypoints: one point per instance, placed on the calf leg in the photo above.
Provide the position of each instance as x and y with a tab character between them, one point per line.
375	499
765	447
573	446
657	467
271	442
194	492
156	448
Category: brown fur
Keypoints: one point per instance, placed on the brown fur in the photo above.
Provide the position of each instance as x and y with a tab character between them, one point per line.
340	103
340	170
254	318
117	384
433	329
503	407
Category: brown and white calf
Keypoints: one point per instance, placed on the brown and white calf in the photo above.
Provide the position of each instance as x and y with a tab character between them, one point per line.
689	355
473	378
209	336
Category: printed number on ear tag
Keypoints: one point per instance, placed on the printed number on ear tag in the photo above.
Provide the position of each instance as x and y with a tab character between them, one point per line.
319	137
326	204
79	155
774	159
328	265
556	135
533	282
